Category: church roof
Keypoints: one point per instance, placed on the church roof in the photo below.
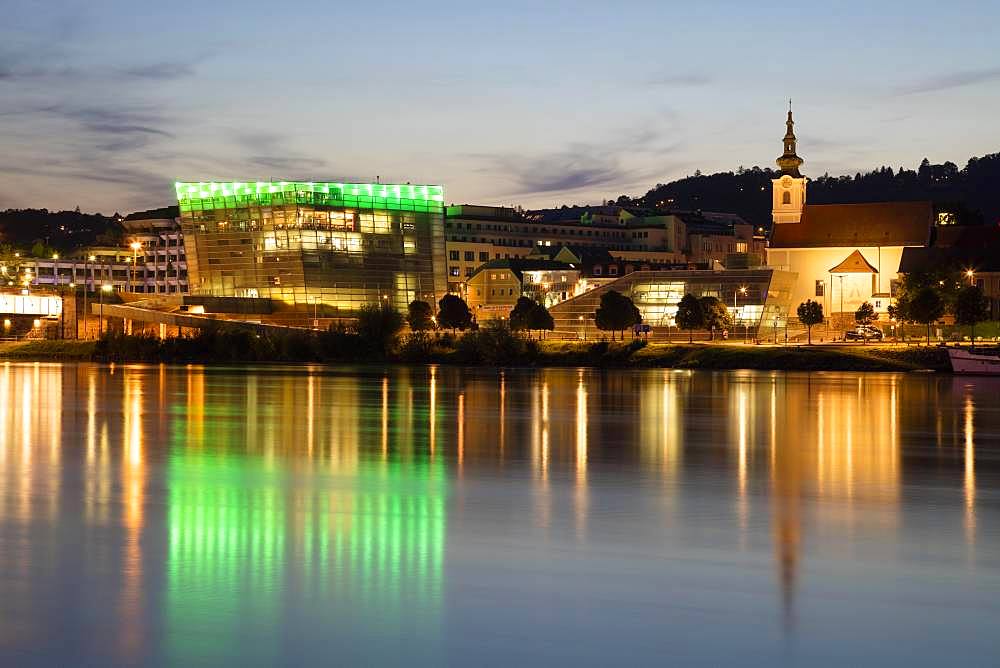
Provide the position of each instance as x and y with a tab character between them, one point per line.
855	263
843	225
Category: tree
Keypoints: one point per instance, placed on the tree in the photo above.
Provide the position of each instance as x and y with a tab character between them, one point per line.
865	315
690	315
971	307
520	315
530	315
454	313
925	306
616	313
378	324
810	313
420	316
717	316
540	320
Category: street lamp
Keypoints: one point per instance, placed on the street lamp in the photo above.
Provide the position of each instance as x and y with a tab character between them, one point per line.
971	274
135	246
736	308
104	288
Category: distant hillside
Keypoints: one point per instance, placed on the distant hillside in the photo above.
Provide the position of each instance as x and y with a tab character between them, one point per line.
748	191
163	212
41	232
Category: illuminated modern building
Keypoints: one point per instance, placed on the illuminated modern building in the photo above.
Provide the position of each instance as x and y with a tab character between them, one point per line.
758	299
331	246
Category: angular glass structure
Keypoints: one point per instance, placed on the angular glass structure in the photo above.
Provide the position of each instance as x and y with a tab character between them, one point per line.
333	245
757	299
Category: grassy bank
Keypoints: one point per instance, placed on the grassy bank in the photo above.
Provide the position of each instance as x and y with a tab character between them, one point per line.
48	350
487	348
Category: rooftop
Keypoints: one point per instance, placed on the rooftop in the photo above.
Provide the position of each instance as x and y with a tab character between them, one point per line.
236	194
519	266
873	224
955	258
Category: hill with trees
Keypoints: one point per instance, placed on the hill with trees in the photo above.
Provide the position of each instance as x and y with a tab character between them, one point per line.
747	192
40	231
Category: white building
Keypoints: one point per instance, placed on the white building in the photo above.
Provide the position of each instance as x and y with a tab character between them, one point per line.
842	254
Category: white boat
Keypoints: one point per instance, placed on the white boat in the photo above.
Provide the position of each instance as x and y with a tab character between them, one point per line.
964	362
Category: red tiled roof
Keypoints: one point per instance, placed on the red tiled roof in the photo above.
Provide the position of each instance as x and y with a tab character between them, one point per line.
873	224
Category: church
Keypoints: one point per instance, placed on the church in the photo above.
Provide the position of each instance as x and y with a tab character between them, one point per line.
842	254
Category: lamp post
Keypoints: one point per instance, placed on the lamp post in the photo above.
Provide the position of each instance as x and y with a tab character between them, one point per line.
100	325
841	277
736	308
86	281
135	246
972	275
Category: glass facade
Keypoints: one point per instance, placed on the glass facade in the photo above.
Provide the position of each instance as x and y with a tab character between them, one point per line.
755	298
330	246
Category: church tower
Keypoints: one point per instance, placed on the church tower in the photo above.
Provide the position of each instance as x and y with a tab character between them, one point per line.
788	191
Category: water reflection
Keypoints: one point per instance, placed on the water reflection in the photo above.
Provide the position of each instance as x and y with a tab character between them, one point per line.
185	515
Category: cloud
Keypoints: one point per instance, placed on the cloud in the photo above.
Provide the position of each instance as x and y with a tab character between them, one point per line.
273	152
575	168
583	165
950	80
164	71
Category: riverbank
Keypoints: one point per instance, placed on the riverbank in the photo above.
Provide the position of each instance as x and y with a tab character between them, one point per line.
76	351
512	351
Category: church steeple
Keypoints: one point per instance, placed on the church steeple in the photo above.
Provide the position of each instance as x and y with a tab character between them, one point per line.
789	162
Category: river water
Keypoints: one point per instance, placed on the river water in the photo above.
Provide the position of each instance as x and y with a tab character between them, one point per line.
191	516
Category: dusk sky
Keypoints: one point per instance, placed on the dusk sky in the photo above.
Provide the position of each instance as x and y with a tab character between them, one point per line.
104	104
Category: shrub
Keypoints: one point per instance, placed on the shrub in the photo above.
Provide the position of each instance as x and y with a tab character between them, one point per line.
378	325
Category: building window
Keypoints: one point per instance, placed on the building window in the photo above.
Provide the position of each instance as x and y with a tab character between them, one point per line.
484	256
470	256
453	271
786	197
453	255
820	288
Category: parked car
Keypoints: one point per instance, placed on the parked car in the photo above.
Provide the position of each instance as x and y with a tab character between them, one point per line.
864	333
